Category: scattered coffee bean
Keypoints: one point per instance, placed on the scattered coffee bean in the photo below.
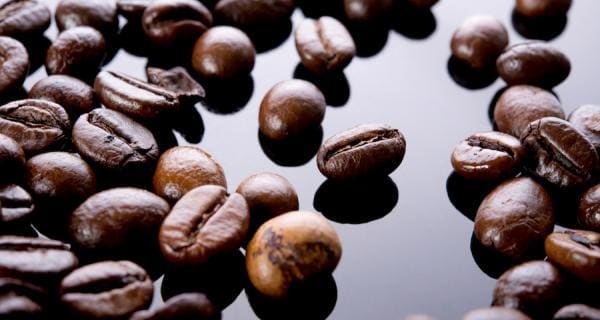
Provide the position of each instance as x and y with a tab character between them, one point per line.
253	14
132	10
367	11
21	300
98	14
187	306
22	18
77	52
577	312
177	80
479	41
71	93
16	204
12	158
586	119
14	65
588	214
422	4
576	251
542	8
495	313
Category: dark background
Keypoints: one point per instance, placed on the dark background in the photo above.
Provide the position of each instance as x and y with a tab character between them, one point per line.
417	258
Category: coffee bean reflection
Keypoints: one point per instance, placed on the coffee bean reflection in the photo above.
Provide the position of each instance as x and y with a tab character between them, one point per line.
545	28
492	106
356	202
36	48
228	97
411	22
189	124
490	262
316	9
370	39
133	40
466	195
270	37
293	152
335	87
470	78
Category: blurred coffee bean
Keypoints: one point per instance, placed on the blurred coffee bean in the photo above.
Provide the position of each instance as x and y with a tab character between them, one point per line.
577	312
22	300
98	14
22	18
495	313
541	28
71	93
177	80
16	205
77	52
14	66
12	159
588	213
252	14
187	306
576	251
132	10
367	11
586	119
542	8
479	40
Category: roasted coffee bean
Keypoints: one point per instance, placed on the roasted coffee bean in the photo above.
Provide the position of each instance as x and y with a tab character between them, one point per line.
559	154
515	218
77	52
98	14
114	141
170	23
71	93
586	119
290	249
16	203
495	313
21	300
576	251
588	214
479	41
181	169
535	63
187	306
422	4
223	53
533	287
117	219
518	106
488	156
14	65
106	290
577	312
177	80
132	9
291	108
206	222
363	151
12	158
252	14
542	8
37	125
367	11
134	97
22	18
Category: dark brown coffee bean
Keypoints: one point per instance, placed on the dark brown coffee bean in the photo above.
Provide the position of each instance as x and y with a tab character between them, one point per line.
106	290
291	108
577	312
98	14
12	158
495	313
363	151
71	93
588	214
77	52
479	41
576	251
586	119
515	218
535	63
17	205
187	306
542	8
177	80
21	18
252	14
132	9
21	300
134	97
14	65
488	156
422	4
223	53
518	106
206	222
367	11
114	141
37	125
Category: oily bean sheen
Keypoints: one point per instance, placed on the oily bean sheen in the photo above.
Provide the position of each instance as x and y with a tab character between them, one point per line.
576	251
518	106
132	9
577	312
495	313
77	52
367	11
290	249
71	93
16	203
542	8
586	119
588	214
559	154
37	125
21	300
251	14
98	14
117	219
186	306
114	141
488	156
179	81
363	151
12	157
324	45
20	18
515	218
535	63
14	64
479	41
206	222
134	97
106	290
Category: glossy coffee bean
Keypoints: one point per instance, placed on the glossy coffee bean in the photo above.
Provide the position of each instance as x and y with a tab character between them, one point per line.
542	8
106	290
21	300
98	14
586	119
114	141
324	45
21	18
77	52
119	218
479	40
223	53
488	156
134	97
495	313
290	249
291	108
252	14
367	11
37	125
422	4
71	93
515	218
168	23
204	223
187	306
577	312
12	158
576	251
520	105
181	169
132	9
363	151
588	213
534	63
16	204
14	65
179	81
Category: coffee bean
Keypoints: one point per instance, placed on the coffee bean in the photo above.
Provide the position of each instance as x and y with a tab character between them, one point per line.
181	169
488	156
12	158
37	125
22	18
253	14
363	151
588	214
77	52
520	105
479	40
187	306
542	8
223	53
367	11
134	97
515	218
495	313
106	290
535	63
98	14
324	45
559	154
177	80
17	205
576	251
21	300
291	108
586	119
71	93
132	9
422	4
14	65
204	223
577	312
290	249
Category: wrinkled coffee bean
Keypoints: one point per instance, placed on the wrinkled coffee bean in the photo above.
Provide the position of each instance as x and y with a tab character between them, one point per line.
22	18
534	63
577	312
179	81
515	218
479	41
495	313
98	14
16	204
71	93
12	158
132	9
77	52
576	251
363	151
204	223
488	156
21	300
253	14
187	306
106	290
14	65
542	8
367	11
588	214
586	119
